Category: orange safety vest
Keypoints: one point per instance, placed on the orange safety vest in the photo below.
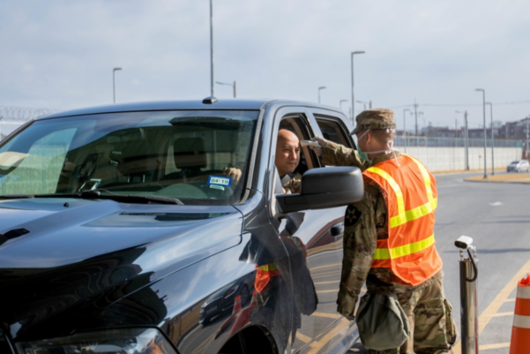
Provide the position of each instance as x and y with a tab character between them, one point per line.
411	200
264	274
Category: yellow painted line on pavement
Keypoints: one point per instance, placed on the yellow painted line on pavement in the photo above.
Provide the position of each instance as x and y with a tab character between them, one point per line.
327	291
327	266
496	304
327	282
316	346
303	337
326	315
502	314
494	346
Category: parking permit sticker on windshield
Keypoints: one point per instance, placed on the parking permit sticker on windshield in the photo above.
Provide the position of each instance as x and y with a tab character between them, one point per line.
220	181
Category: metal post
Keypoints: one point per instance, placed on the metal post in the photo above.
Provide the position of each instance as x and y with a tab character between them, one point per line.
467	143
114	84
492	139
211	52
416	117
468	295
527	140
352	95
405	126
320	88
485	136
235	94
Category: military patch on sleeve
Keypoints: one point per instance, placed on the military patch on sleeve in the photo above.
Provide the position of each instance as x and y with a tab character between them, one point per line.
352	216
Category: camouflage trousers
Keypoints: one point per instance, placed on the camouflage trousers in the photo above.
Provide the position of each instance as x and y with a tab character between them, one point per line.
432	328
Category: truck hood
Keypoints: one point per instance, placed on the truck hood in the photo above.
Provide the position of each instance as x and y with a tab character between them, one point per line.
56	253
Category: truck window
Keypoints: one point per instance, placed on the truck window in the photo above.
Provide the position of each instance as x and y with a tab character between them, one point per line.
334	130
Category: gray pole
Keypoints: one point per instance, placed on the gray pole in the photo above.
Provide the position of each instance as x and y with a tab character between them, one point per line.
320	88
114	84
492	139
468	303
405	126
352	94
416	117
527	135
211	52
467	143
485	136
235	94
340	103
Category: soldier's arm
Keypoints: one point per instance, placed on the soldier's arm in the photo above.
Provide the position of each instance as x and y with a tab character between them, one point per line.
339	155
360	242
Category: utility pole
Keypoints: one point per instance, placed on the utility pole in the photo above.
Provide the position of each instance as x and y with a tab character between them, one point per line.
527	135
416	117
466	142
485	136
492	141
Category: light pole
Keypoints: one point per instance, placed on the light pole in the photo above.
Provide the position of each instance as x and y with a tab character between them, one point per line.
405	126
340	103
320	88
211	51
492	141
228	84
1	129
364	103
466	137
484	114
114	83
352	94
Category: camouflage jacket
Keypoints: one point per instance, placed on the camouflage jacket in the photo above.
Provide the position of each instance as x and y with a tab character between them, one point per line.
365	222
292	185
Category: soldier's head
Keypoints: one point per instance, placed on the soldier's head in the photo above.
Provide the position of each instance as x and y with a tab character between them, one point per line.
375	130
287	152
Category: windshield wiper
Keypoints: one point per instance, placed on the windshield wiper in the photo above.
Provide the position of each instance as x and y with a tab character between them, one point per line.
122	198
96	194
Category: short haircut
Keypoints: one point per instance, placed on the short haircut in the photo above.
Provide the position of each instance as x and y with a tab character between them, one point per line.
383	136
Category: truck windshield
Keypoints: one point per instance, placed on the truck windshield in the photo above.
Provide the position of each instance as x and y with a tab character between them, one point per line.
199	157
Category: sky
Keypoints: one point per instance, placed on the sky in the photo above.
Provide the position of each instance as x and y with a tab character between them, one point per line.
59	54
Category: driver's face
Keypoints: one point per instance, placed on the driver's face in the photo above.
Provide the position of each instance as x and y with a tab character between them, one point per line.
287	152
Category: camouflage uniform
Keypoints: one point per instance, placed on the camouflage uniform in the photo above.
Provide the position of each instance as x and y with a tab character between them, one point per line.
432	327
294	185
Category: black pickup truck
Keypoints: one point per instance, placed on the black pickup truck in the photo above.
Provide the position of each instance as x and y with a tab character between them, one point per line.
121	232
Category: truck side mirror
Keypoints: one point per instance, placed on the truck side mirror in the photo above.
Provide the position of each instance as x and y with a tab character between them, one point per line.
325	188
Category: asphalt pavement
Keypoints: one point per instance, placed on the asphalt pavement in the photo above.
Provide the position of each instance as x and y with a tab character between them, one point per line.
497	217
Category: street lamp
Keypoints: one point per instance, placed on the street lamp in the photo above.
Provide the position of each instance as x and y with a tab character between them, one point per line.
484	114
320	88
466	139
352	94
340	103
114	83
364	103
405	126
228	84
492	141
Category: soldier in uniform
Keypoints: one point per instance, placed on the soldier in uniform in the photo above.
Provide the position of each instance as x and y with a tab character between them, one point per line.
388	238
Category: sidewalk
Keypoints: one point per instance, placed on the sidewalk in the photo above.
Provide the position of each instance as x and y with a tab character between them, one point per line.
503	178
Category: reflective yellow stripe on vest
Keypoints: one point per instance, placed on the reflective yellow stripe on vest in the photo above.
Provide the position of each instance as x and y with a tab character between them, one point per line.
269	267
396	252
413	214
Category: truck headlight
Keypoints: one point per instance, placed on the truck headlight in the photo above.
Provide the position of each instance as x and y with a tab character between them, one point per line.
116	341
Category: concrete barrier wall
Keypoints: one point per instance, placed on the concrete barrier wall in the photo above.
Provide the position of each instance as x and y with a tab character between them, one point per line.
439	159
